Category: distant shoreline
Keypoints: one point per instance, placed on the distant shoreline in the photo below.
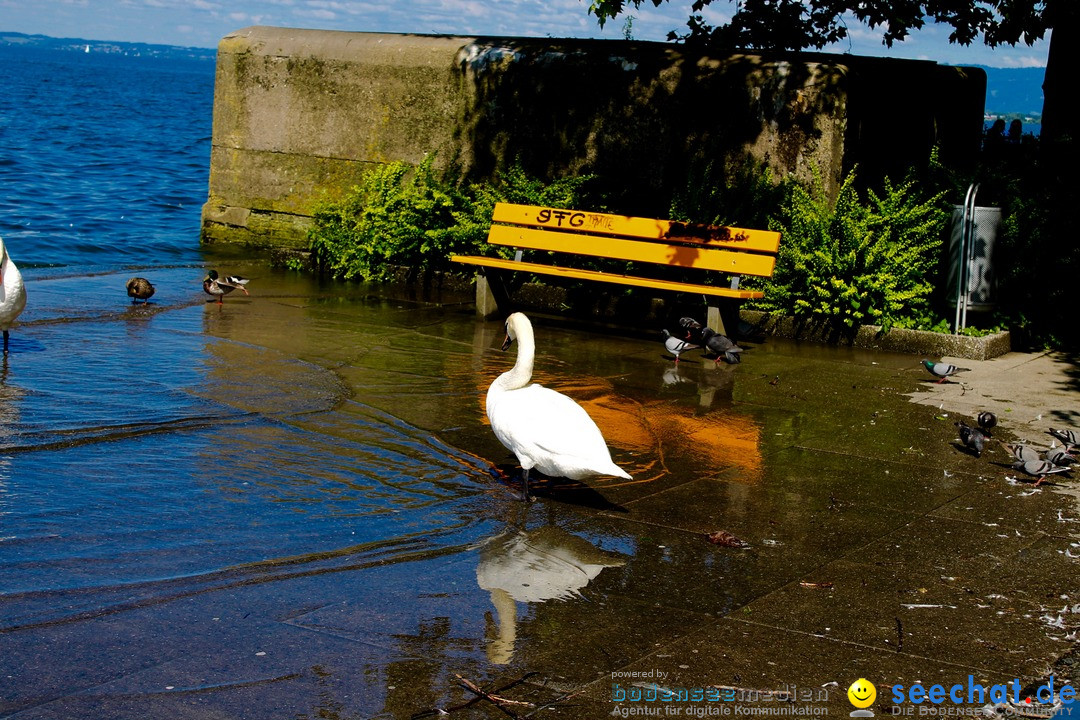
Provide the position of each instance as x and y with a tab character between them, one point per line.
1010	92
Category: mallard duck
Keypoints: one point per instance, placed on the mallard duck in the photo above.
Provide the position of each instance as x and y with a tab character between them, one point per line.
220	287
139	289
12	292
545	429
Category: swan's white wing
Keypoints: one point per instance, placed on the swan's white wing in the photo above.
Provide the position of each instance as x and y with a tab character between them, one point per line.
549	431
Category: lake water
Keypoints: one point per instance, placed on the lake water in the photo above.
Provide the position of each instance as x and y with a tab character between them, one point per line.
290	505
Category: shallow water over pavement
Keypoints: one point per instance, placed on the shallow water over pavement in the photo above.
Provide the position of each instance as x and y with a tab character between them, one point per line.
290	505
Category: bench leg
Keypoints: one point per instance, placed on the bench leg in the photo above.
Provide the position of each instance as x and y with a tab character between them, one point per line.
491	294
723	317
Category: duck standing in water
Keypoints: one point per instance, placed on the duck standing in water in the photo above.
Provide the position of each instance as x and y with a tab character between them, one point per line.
139	289
545	429
12	292
220	287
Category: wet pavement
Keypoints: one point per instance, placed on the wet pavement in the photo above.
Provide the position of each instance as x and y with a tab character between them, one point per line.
298	511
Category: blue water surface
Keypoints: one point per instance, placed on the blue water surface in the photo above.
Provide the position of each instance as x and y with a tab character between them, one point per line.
104	158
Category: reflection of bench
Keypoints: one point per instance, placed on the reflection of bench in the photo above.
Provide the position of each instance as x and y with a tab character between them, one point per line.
562	237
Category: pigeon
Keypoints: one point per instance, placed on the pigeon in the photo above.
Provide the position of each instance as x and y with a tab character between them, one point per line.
972	438
1038	468
220	287
942	370
1069	437
986	420
688	329
676	345
1059	456
1022	452
139	289
723	346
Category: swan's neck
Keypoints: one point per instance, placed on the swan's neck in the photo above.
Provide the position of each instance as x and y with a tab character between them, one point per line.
9	274
520	375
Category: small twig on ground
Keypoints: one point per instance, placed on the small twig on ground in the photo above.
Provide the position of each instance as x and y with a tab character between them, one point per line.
495	700
470	703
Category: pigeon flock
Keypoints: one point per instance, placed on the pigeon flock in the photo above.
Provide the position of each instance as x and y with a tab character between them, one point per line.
1026	458
692	335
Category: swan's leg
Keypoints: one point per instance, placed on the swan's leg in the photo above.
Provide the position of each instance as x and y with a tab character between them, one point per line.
525	483
5	342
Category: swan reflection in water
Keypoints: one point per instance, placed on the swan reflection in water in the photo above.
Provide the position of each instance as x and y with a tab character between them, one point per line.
533	566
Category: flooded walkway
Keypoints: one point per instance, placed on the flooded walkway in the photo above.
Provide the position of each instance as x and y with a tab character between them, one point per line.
290	506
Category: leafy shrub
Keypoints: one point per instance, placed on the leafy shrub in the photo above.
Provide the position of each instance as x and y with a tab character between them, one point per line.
397	215
740	194
847	263
401	215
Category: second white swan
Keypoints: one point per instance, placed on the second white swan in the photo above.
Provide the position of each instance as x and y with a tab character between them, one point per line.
545	429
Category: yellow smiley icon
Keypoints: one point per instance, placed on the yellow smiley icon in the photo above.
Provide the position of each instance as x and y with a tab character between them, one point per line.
862	693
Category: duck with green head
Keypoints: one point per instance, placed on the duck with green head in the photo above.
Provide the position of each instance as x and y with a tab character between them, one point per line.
219	287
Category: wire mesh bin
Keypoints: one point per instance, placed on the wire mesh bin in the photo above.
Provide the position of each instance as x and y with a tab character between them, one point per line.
971	282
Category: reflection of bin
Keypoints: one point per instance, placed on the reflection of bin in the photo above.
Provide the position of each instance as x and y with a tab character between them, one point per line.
983	230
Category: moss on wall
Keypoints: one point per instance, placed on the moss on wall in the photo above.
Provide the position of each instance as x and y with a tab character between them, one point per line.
299	114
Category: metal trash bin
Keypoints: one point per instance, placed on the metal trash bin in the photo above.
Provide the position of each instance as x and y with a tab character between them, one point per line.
970	280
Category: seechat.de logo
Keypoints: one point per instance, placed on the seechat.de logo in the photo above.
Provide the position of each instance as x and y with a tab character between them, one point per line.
862	695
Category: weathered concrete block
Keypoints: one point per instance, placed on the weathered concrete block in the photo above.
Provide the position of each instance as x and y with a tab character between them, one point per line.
299	115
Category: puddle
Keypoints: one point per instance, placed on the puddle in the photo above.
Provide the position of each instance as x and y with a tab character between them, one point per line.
291	505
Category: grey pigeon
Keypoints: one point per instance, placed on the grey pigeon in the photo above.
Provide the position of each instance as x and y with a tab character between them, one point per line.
987	420
691	325
1022	451
1069	437
972	438
1038	468
943	370
721	345
676	345
1059	456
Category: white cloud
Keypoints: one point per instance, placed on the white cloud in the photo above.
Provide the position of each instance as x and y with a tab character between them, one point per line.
204	22
316	14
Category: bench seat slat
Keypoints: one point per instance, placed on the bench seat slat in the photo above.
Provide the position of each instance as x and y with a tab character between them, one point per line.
763	241
701	258
574	273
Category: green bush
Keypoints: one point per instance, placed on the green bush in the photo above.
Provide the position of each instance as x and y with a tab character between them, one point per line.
742	194
847	263
401	215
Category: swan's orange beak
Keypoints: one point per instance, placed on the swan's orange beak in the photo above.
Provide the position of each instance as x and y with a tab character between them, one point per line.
507	342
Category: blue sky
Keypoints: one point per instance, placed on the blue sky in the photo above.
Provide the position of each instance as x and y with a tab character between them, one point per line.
202	23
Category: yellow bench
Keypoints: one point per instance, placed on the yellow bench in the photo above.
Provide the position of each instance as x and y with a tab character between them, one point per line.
559	235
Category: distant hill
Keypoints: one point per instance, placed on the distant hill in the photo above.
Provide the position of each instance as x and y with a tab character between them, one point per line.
1009	91
1014	91
119	48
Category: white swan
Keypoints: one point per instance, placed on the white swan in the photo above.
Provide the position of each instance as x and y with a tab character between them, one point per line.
12	293
543	564
544	428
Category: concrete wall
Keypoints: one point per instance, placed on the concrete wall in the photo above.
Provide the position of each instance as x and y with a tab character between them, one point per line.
299	115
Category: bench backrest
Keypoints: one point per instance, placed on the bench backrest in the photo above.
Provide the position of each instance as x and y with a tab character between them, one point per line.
731	250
